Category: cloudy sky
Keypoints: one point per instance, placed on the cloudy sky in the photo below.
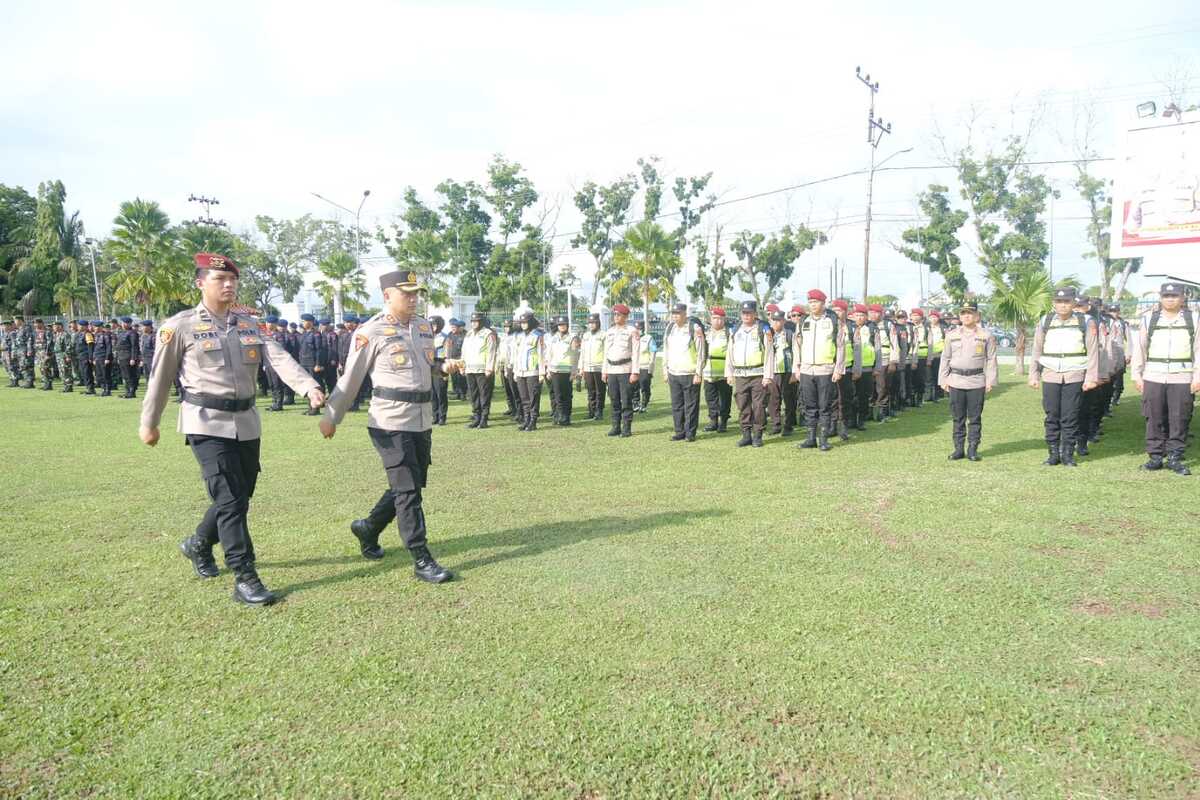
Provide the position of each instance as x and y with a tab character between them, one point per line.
262	103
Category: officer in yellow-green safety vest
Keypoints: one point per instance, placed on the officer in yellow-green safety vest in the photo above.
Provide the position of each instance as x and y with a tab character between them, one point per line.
529	369
718	392
562	357
888	359
684	354
784	388
819	363
649	351
750	364
866	336
1065	363
919	363
937	345
844	404
1165	364
591	365
480	354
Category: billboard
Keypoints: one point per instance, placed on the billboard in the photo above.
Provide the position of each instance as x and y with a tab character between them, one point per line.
1156	191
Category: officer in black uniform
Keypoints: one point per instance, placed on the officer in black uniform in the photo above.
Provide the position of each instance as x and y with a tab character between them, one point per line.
146	340
102	357
85	338
311	353
126	349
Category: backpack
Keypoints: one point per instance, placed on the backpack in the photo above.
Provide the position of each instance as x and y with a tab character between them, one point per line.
1187	320
1081	319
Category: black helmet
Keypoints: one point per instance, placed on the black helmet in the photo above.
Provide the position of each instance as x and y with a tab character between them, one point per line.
561	321
438	322
477	316
529	319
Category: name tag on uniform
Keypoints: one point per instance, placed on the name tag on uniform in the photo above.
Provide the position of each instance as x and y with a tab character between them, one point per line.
980	348
205	335
426	335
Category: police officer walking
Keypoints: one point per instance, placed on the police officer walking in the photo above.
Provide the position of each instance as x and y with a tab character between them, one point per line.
622	354
684	354
480	351
718	394
591	365
216	353
750	364
1165	365
968	370
1065	363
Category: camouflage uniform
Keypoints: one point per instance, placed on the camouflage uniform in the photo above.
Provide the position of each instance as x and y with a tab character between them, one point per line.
6	336
43	356
64	348
22	348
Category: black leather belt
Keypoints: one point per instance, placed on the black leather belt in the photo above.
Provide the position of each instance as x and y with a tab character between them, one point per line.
401	395
966	372
620	363
218	403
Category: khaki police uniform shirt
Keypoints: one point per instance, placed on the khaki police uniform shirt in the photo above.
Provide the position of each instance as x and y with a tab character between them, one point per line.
969	349
396	356
740	343
219	358
1088	375
621	343
678	339
1141	345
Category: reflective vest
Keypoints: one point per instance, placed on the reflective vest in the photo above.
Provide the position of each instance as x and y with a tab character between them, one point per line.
504	351
848	347
921	336
937	339
477	349
527	354
1171	344
561	355
718	348
439	346
885	341
1065	345
681	350
818	340
866	343
783	352
749	349
646	355
592	351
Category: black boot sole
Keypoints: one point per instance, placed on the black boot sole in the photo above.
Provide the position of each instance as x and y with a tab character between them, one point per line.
254	603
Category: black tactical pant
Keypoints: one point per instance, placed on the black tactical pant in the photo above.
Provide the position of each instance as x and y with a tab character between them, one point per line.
530	391
863	387
596	391
718	399
643	388
1061	403
751	398
441	402
916	382
479	391
685	403
561	397
1118	384
458	382
229	468
781	402
276	386
406	457
935	366
129	374
882	390
511	394
966	408
1167	408
87	377
1090	412
620	396
104	375
817	392
896	388
844	399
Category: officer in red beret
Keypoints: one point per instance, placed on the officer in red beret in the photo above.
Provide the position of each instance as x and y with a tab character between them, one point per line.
819	363
622	351
919	363
889	357
937	345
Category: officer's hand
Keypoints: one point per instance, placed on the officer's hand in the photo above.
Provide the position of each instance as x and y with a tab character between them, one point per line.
836	377
891	368
316	398
696	380
1033	382
317	369
766	382
793	379
149	436
1140	386
633	377
986	389
1089	385
488	373
328	429
946	387
1195	387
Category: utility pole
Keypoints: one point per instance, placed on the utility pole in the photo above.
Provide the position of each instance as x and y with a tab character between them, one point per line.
875	131
207	219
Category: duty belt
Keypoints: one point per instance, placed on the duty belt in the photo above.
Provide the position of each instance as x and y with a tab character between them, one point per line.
619	362
218	403
401	395
966	372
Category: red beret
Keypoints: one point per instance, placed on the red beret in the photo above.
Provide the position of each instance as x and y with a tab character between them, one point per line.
840	303
816	294
799	310
916	312
772	308
875	307
620	308
717	311
937	314
859	308
217	262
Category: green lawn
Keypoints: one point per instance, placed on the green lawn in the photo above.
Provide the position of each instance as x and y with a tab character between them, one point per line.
632	617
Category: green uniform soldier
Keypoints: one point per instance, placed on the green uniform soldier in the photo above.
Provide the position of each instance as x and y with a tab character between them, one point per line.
43	354
62	348
6	335
396	348
216	353
968	370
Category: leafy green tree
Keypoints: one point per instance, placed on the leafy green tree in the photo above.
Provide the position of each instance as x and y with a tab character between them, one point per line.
1094	192
509	193
935	243
18	211
290	250
1018	301
767	263
604	210
416	242
465	232
646	261
152	268
885	300
344	282
714	278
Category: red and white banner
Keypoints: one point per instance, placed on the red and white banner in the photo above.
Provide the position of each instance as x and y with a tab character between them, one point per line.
1156	191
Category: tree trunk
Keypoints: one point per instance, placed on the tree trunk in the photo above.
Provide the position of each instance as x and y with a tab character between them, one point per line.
1019	366
1125	273
337	302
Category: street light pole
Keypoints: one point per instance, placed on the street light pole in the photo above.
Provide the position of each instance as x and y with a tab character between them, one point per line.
91	245
876	128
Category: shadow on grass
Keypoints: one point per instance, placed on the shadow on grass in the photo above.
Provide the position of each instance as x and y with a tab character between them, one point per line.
521	542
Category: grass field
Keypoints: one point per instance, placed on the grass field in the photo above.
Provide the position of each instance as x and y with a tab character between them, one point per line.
632	617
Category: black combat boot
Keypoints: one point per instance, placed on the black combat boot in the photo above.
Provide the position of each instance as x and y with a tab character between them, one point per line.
1068	455
811	441
626	428
823	439
776	430
747	439
1154	464
679	437
474	423
483	421
427	568
200	554
723	425
248	588
788	430
958	449
1176	465
1082	447
973	452
368	539
1055	456
532	424
843	432
758	439
711	426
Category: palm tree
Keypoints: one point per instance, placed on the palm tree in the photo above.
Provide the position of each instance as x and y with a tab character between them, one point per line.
345	280
150	264
647	260
1020	304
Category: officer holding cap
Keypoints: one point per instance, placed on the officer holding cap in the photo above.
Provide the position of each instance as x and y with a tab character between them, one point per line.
216	353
